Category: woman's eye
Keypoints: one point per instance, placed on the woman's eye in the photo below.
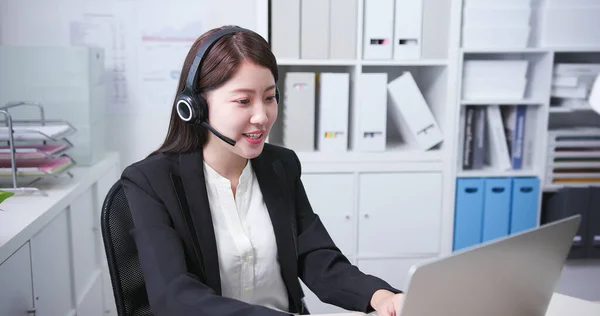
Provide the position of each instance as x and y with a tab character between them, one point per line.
271	98
244	101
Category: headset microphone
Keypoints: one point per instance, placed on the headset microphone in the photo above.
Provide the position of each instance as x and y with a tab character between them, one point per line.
191	106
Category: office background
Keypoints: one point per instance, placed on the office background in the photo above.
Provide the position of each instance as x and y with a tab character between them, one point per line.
423	126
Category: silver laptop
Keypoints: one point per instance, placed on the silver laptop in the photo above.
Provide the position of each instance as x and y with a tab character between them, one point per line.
511	276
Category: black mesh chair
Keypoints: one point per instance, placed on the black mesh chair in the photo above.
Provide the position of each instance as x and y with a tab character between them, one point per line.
126	275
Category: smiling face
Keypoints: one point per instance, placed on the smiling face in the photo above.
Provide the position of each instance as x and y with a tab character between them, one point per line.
243	109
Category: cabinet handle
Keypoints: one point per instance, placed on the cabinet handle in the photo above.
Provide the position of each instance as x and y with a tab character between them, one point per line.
366	215
347	216
31	311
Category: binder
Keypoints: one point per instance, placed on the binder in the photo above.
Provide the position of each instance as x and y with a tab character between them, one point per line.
285	28
496	210
468	213
408	29
593	225
299	111
314	33
412	107
373	112
343	26
334	100
567	202
524	205
379	29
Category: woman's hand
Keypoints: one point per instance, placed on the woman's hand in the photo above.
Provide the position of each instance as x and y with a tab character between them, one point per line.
386	303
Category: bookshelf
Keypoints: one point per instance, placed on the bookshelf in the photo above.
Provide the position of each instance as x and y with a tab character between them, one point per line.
543	47
399	179
401	190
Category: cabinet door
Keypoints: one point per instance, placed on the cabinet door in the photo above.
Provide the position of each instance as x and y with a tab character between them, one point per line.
393	271
16	296
83	239
91	304
332	198
400	213
51	268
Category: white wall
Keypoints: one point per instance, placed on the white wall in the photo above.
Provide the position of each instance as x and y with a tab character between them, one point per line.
138	118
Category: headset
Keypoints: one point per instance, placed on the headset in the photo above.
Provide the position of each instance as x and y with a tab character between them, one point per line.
191	106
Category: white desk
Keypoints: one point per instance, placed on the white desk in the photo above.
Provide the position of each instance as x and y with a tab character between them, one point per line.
561	305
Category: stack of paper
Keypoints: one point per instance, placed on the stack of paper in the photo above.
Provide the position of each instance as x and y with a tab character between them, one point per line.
572	84
494	79
573	156
496	24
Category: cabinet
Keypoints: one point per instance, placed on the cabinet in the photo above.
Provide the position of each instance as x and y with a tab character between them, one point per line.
384	222
16	294
60	268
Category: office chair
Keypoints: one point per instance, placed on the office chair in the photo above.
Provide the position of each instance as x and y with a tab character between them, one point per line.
128	283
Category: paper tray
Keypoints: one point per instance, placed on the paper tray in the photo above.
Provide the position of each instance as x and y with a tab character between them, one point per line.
37	168
33	151
37	132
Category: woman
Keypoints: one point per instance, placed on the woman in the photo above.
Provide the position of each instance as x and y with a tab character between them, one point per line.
223	225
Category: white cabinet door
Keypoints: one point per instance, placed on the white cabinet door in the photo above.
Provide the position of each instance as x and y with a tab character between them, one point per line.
393	271
84	243
400	213
110	308
16	296
51	268
332	198
91	304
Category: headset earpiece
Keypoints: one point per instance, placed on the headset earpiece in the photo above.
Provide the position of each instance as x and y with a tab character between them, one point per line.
277	94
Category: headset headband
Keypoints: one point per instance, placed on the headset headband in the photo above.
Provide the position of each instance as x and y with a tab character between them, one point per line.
194	71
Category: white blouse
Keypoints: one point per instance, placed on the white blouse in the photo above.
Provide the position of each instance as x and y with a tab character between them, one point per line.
245	239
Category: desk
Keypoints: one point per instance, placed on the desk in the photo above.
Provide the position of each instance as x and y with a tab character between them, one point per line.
560	305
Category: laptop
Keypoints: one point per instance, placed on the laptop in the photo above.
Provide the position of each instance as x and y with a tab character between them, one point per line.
515	275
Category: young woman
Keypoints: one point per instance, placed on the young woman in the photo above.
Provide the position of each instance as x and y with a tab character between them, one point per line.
223	225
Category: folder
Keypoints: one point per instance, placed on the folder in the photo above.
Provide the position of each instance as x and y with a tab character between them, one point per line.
567	202
468	213
373	112
496	210
408	29
411	106
379	29
593	225
314	33
299	111
524	204
285	28
334	100
343	26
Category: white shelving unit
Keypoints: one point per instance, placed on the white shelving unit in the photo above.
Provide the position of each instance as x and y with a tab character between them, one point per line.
387	210
542	59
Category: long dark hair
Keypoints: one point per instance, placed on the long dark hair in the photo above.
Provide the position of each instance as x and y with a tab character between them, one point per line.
219	64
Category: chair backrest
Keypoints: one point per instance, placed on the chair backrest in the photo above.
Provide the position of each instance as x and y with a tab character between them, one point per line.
128	284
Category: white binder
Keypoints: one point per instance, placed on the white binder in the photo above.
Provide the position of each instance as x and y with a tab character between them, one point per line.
412	109
314	32
379	29
408	29
372	114
343	25
299	111
285	28
334	99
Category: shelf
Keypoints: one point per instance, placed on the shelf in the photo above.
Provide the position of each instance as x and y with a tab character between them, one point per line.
395	154
317	62
493	50
407	62
503	102
495	173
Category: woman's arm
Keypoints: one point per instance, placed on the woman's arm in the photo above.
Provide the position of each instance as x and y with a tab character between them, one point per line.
322	266
172	290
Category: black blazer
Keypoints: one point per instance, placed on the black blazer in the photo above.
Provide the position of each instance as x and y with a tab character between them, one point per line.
180	265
